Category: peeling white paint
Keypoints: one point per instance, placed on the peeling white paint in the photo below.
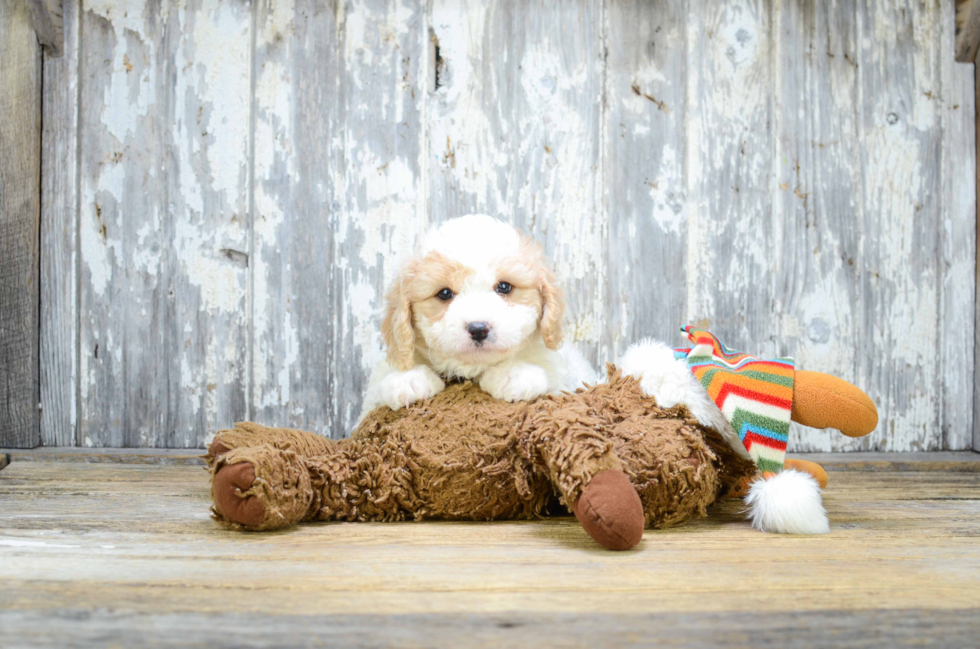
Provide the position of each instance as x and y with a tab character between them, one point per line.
275	144
386	217
224	91
521	127
366	318
667	193
95	251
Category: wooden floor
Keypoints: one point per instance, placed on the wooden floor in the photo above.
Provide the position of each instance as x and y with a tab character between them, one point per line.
125	554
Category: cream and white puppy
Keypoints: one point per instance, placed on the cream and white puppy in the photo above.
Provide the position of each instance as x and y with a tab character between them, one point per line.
477	302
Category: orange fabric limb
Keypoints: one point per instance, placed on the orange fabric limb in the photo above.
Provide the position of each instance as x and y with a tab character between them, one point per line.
825	401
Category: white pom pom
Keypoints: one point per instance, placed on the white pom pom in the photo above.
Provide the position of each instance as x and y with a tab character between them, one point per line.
787	503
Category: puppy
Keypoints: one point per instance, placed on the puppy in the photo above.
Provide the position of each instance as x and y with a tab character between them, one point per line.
477	302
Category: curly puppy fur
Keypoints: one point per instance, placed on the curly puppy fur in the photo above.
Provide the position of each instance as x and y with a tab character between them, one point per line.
464	455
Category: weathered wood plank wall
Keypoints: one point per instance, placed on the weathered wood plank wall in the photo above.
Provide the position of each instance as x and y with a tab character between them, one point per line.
798	175
20	174
976	351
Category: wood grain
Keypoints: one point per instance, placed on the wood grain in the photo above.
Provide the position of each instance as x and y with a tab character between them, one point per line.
296	211
959	244
514	132
59	250
923	461
75	454
816	225
339	136
163	221
797	176
902	543
47	18
20	173
730	230
899	205
967	30
805	630
645	197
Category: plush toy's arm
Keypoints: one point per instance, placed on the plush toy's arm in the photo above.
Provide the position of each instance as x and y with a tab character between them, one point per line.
825	401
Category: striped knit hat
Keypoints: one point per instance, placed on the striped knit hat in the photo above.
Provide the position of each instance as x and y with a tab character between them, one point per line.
755	396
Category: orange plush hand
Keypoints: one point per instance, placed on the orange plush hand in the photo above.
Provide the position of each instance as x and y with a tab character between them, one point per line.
825	401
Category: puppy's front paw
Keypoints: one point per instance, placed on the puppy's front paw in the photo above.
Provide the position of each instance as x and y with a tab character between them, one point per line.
515	381
400	389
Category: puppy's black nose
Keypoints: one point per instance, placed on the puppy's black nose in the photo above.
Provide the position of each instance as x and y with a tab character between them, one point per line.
478	331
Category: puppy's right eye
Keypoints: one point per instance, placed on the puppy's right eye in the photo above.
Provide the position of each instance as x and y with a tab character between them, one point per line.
445	295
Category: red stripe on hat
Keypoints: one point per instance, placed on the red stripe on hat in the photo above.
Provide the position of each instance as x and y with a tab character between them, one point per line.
731	388
751	439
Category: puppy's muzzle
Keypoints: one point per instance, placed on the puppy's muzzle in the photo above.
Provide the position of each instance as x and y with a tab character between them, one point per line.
478	331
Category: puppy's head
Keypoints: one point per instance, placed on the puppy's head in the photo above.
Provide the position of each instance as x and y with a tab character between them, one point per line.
477	292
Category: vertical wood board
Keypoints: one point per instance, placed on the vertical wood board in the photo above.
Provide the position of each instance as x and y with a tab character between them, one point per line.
338	193
729	171
976	347
644	189
957	108
20	171
59	223
899	202
382	91
163	221
48	21
816	255
296	135
514	127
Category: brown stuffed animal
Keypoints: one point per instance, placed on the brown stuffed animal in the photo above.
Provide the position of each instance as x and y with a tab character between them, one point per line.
608	453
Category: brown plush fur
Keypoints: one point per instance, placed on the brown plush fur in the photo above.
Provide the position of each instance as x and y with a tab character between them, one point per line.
464	455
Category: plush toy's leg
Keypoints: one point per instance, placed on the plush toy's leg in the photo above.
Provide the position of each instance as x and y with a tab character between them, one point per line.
251	434
590	478
825	401
269	486
261	488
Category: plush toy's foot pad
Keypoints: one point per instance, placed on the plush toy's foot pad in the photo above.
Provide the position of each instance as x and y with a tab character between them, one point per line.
610	511
825	401
230	482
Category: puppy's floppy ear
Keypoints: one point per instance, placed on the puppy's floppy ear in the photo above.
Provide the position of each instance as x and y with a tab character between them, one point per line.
553	310
397	328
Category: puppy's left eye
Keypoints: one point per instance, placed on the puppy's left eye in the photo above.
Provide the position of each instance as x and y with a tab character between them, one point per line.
445	295
503	288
